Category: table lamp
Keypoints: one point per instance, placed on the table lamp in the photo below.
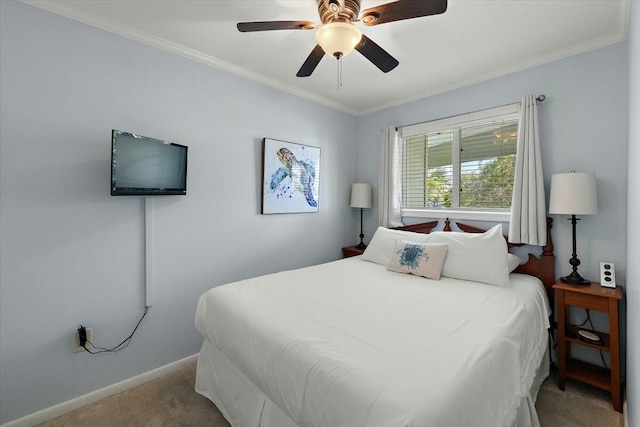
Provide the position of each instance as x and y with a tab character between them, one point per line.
361	199
573	194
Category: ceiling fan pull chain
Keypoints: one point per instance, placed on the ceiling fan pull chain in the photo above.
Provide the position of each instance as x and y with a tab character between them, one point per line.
339	58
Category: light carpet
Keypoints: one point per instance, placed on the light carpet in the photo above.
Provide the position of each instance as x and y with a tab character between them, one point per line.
172	401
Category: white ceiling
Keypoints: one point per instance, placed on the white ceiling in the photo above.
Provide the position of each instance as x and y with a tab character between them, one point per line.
472	41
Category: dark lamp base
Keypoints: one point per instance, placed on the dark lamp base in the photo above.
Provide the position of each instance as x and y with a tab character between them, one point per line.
575	280
361	246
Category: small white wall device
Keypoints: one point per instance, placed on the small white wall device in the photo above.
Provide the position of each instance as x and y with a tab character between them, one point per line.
607	275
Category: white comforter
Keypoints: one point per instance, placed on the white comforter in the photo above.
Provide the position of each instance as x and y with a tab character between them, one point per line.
349	344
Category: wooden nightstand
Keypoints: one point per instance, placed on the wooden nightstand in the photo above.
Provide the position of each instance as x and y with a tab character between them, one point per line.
597	298
350	251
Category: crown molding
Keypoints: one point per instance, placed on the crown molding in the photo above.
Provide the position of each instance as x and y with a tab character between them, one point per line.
530	63
177	49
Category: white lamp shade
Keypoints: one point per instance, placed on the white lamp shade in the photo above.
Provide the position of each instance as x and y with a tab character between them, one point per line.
361	195
573	193
338	38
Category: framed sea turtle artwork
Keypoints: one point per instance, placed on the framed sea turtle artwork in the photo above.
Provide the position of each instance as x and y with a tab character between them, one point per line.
291	177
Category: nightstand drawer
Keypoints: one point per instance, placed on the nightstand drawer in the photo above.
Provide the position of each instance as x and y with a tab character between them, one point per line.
592	302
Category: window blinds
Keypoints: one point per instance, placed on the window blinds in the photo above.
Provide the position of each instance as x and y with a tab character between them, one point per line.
469	165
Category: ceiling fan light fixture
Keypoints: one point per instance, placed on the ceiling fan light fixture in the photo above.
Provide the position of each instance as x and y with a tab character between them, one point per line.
338	38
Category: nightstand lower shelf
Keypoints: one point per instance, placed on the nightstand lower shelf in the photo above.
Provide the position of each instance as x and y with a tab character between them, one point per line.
590	374
572	336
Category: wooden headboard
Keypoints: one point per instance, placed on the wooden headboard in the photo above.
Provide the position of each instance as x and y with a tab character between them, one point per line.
542	268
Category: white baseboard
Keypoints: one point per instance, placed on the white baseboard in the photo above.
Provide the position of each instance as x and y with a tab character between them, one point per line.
80	401
625	411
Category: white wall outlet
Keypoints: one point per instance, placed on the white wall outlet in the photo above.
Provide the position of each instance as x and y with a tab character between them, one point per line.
607	275
76	340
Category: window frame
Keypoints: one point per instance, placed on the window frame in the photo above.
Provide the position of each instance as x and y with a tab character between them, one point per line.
490	115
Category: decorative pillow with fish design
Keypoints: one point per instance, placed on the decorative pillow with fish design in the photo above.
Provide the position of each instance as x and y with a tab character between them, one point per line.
421	259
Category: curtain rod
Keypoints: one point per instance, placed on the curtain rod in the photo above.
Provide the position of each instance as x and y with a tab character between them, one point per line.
539	98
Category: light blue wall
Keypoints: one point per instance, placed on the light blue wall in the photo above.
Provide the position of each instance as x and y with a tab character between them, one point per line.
70	253
583	127
633	222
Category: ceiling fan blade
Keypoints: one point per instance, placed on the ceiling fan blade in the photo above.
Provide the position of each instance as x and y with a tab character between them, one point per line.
246	27
311	62
377	55
402	9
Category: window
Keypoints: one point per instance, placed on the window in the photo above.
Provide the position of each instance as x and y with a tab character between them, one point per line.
464	163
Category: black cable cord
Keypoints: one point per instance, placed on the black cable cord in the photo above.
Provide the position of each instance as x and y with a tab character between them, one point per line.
551	348
120	346
588	319
593	329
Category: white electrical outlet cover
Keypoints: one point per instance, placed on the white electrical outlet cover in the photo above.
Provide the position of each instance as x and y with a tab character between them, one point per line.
607	275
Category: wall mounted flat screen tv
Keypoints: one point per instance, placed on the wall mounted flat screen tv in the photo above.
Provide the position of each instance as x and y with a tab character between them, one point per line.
143	166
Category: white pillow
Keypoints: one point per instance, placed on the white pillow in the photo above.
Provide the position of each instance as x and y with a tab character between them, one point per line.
513	261
383	242
420	259
479	257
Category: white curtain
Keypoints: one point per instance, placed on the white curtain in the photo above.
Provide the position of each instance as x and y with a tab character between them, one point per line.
528	210
389	200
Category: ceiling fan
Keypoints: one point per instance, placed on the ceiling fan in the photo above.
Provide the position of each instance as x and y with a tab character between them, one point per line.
338	35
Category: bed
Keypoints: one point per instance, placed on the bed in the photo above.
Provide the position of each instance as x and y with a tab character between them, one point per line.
356	343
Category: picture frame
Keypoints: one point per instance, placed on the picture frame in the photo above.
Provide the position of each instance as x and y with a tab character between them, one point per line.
291	177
